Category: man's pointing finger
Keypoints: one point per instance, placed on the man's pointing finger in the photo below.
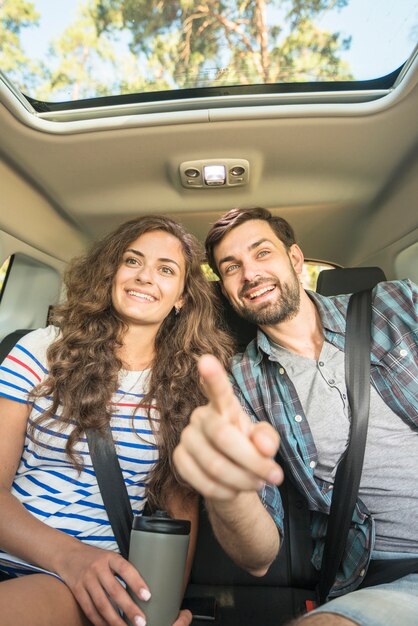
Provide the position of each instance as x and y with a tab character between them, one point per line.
218	387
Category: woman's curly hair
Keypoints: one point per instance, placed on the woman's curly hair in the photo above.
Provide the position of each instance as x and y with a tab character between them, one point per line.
83	364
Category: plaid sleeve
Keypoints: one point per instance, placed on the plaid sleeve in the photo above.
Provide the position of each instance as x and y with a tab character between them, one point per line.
272	501
269	494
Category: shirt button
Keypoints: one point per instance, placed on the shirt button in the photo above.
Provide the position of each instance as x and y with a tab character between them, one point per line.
403	352
331	381
281	371
298	418
321	364
312	464
363	571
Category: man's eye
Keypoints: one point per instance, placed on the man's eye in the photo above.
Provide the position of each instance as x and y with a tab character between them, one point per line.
263	253
231	268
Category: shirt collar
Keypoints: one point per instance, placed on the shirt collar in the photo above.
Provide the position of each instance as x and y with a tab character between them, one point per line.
332	312
263	346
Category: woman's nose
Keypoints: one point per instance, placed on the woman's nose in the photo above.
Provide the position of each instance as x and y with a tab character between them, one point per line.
143	275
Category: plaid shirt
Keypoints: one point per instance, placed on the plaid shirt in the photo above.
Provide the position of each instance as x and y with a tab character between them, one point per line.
267	393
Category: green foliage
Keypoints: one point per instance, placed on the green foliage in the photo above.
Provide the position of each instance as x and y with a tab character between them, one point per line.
310	273
83	59
127	46
224	42
16	15
209	274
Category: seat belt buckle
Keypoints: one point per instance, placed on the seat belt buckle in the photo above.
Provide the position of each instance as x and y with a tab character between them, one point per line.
310	605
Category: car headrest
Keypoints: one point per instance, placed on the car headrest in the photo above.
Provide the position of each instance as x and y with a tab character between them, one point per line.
348	280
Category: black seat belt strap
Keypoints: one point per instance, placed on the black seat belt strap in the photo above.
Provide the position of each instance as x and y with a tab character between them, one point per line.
117	504
347	479
112	486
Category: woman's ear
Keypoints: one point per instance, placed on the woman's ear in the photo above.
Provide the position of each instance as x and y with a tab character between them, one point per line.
179	305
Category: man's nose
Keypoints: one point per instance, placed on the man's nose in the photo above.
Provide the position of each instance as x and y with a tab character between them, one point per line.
250	272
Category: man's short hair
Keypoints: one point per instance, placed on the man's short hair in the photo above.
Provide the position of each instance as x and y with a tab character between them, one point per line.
235	217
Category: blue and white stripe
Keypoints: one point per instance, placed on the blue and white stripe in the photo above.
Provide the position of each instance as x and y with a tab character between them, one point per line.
46	483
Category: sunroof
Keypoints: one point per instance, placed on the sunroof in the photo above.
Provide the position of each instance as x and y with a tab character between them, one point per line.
72	50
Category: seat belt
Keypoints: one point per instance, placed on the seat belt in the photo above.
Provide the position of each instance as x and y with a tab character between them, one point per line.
118	507
112	486
347	479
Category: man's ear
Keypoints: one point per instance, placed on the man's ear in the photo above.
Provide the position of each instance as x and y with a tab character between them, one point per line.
296	257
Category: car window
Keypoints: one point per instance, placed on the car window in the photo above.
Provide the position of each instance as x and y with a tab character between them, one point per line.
29	287
101	50
3	273
311	270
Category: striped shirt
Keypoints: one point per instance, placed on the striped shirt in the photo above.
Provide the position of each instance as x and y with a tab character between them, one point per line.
267	393
46	482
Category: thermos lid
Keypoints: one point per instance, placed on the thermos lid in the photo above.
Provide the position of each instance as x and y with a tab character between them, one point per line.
161	522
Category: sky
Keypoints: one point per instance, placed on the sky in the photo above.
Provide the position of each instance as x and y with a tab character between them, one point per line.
384	32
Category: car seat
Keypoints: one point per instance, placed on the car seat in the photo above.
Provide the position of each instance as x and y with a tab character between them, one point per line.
348	280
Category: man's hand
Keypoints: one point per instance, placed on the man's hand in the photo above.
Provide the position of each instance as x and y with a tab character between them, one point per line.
221	452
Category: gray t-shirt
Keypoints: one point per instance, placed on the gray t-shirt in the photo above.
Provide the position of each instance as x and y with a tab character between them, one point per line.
390	467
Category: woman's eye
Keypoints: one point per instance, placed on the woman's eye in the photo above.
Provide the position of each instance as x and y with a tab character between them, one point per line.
131	261
167	270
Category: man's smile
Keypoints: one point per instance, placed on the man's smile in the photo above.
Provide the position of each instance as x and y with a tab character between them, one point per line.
257	292
260	292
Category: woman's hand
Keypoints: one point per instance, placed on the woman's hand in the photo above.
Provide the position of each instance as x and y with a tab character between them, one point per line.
91	573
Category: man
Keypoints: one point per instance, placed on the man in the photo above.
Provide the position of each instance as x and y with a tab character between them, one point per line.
290	380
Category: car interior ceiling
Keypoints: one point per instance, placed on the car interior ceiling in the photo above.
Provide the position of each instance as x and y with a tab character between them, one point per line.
350	202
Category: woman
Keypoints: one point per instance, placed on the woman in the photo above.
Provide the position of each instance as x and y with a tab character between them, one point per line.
138	313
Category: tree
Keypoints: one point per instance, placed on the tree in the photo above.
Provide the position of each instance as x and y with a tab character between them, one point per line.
87	60
81	59
128	46
224	42
15	15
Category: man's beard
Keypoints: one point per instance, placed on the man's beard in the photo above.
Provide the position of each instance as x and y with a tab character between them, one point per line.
285	306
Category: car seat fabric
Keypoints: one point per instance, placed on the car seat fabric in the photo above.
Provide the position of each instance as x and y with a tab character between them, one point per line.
9	341
242	331
246	600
